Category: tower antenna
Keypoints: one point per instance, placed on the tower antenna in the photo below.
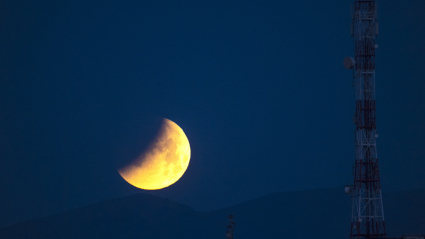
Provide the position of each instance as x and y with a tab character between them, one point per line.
230	227
367	219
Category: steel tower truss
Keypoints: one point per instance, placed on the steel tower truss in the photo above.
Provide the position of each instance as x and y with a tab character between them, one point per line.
367	220
230	227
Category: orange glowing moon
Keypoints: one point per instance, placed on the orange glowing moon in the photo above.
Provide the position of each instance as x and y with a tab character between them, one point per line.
163	162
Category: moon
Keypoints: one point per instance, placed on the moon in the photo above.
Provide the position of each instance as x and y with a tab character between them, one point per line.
163	163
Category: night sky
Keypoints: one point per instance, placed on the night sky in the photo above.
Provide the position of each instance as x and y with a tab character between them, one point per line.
258	87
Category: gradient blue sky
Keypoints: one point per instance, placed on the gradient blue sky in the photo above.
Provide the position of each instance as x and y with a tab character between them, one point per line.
258	87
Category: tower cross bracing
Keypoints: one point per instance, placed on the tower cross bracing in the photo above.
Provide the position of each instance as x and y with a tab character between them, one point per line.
367	220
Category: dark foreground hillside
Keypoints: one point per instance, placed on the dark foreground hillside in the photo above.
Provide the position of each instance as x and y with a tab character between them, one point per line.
322	213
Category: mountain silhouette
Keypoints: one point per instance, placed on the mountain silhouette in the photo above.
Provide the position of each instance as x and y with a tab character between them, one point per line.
319	213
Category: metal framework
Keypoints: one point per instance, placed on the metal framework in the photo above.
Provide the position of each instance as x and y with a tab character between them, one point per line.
230	227
367	220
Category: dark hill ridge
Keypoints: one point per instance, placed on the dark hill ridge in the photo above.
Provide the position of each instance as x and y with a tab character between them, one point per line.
321	213
116	218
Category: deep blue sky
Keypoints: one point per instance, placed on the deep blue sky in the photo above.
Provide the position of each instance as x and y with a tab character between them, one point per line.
258	87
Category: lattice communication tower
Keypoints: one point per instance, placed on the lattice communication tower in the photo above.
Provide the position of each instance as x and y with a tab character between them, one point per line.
367	220
230	227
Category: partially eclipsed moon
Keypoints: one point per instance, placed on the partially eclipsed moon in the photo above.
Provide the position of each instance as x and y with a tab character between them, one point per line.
163	163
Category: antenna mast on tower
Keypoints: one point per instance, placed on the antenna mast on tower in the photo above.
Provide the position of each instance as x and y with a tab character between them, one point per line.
230	227
367	220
